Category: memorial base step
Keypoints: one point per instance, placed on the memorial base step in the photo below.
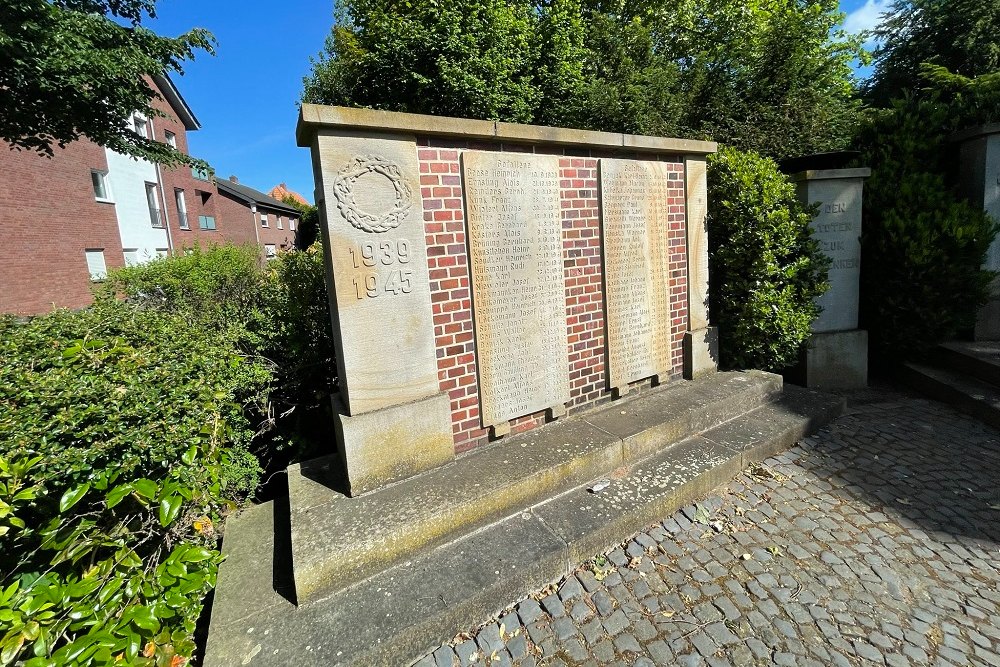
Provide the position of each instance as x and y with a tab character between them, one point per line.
374	531
405	606
965	392
399	613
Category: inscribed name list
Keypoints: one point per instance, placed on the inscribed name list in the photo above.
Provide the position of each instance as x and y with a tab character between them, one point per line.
518	292
635	224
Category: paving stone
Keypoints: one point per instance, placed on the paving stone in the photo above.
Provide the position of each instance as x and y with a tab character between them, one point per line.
570	589
580	611
444	657
603	602
529	611
841	570
553	606
616	622
660	653
593	631
625	642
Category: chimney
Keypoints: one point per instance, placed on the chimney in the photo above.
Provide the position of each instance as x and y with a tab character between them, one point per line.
234	179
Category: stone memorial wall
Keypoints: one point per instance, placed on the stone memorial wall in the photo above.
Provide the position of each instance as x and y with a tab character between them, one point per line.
488	277
836	355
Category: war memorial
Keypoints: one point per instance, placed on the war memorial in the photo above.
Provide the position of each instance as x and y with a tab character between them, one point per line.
519	312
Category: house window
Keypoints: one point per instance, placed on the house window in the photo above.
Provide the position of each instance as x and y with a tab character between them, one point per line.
270	251
161	253
155	217
291	224
263	219
182	212
170	138
200	174
281	224
141	126
206	223
95	264
99	179
131	256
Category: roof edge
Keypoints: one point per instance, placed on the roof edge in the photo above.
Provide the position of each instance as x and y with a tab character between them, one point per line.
176	100
225	186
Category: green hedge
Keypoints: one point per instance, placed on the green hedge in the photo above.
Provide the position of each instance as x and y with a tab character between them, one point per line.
128	431
922	247
765	268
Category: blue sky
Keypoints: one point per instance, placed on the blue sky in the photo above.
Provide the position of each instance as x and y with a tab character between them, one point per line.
246	96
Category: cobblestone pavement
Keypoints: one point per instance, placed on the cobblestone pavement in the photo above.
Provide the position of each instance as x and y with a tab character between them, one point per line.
876	541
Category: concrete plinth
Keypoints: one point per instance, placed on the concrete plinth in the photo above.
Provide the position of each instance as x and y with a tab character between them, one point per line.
837	360
701	352
394	443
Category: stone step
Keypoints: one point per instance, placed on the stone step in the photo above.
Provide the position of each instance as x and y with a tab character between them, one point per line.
968	394
980	360
402	612
338	541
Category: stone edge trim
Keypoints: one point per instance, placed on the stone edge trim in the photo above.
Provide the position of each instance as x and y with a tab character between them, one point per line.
830	174
313	117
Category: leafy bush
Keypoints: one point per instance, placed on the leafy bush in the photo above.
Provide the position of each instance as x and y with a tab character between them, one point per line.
130	429
123	442
218	287
922	247
765	268
297	336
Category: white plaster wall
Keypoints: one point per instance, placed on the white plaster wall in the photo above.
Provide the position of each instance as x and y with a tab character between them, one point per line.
127	178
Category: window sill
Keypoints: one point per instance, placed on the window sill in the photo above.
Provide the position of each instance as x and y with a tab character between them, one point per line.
104	201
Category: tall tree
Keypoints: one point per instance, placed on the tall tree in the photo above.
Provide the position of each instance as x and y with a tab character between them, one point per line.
960	35
72	68
771	75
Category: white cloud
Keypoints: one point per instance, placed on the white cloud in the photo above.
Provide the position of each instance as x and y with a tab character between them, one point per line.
866	17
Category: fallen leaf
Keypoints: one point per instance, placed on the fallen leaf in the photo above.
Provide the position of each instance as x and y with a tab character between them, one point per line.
903	501
746	556
667	614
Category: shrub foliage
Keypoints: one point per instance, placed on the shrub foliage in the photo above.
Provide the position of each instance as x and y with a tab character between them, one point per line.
766	269
128	431
923	248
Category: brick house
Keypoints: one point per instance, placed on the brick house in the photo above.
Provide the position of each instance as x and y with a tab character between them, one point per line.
275	222
65	221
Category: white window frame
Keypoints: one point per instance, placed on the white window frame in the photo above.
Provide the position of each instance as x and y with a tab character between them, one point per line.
291	224
97	266
182	212
170	138
131	256
270	250
142	126
154	204
263	220
105	185
281	223
203	223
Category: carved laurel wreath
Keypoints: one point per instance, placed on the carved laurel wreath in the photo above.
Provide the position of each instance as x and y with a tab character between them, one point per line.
343	188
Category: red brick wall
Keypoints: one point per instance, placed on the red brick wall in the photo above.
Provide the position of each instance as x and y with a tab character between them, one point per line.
444	225
48	218
235	221
283	239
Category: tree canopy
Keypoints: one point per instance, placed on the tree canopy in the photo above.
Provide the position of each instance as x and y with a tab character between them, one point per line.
769	75
959	35
72	68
